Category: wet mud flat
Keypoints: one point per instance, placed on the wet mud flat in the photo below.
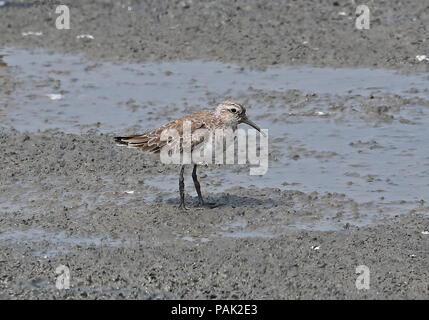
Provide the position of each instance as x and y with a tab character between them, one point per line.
118	244
347	180
346	184
251	33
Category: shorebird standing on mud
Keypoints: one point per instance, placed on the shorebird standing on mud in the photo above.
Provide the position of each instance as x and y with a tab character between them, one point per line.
227	116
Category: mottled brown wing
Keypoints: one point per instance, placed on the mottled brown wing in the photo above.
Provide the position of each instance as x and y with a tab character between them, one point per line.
151	141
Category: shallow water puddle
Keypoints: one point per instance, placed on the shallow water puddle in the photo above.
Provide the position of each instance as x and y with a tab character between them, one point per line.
239	229
115	96
58	243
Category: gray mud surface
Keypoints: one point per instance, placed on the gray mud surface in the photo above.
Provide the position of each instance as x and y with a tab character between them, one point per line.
253	33
347	180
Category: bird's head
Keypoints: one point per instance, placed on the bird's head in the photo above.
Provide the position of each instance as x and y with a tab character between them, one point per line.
233	114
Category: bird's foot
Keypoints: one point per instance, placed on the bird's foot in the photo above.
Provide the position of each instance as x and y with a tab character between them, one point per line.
182	206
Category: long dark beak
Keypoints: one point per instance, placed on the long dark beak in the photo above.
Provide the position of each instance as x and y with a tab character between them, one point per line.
252	124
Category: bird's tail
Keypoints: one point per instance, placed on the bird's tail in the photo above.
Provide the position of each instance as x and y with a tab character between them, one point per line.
147	142
122	140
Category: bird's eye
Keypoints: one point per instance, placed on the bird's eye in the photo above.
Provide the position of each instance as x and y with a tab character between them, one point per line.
233	110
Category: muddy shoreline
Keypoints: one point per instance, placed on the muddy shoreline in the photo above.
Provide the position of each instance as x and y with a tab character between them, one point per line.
251	33
347	185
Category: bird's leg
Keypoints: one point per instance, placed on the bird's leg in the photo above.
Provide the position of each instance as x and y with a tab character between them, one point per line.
197	186
182	188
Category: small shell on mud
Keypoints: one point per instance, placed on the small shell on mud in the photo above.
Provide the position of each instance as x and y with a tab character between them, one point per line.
422	57
54	96
85	36
31	33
